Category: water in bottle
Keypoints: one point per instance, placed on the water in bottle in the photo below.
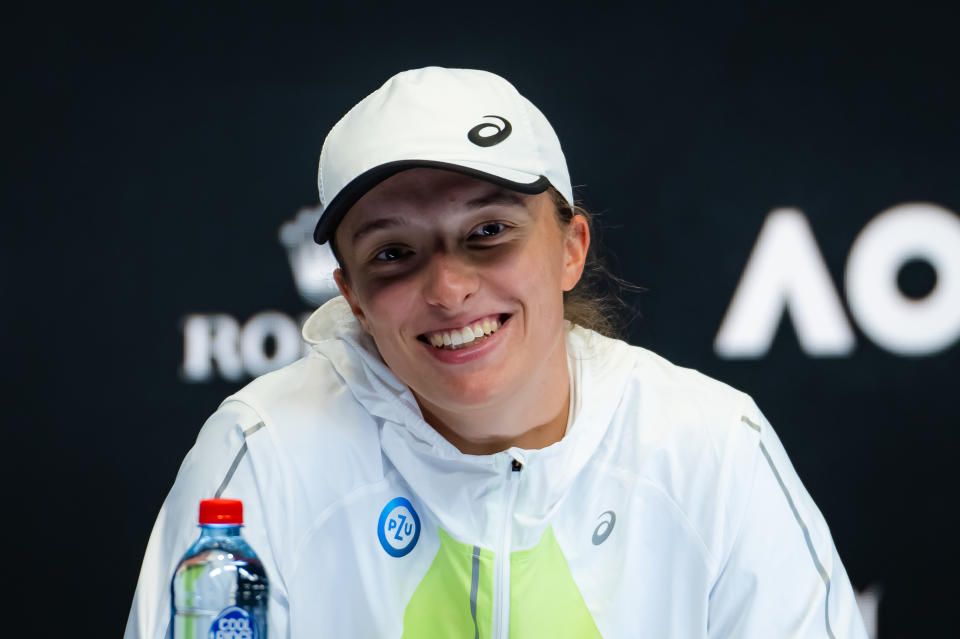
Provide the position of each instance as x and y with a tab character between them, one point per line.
220	590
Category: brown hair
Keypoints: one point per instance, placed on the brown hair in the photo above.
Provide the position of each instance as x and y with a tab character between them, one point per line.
593	302
587	304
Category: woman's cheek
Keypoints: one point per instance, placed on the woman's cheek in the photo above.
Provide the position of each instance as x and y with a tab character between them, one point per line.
386	303
381	290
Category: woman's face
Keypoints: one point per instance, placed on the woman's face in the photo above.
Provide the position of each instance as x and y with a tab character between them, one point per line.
429	253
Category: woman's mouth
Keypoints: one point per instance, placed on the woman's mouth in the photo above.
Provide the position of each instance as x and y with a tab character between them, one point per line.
465	336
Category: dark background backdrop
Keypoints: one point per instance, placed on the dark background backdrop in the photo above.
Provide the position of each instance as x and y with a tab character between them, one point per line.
153	152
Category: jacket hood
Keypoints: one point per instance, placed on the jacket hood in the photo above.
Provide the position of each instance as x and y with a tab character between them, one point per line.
599	368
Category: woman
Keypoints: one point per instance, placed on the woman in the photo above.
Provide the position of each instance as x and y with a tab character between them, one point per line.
454	458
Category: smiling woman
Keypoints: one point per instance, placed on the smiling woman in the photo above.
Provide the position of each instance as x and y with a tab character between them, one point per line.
432	254
462	453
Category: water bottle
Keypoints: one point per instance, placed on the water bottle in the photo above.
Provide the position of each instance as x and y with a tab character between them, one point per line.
220	590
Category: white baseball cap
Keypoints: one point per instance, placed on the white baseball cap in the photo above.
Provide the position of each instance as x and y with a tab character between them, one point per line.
463	120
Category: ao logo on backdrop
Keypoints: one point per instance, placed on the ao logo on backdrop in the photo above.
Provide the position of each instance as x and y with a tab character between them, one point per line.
787	271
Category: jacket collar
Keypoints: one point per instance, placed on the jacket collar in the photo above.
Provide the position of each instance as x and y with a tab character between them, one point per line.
599	369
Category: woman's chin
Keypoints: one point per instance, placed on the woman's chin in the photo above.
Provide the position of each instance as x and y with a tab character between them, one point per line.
465	393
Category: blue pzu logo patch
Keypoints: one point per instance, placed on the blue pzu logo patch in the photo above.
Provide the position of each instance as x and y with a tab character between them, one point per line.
233	623
399	527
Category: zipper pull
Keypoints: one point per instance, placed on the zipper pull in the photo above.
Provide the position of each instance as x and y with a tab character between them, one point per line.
516	466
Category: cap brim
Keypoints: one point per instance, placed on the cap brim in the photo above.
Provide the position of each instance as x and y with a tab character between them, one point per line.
334	211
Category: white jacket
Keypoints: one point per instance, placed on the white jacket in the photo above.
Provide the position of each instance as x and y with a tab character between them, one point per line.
669	509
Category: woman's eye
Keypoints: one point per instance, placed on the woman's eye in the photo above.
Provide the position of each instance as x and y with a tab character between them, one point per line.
490	229
391	254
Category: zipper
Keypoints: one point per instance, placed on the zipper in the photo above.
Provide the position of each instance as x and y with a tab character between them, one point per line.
501	613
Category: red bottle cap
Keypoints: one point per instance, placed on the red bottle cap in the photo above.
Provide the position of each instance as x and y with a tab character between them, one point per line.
221	511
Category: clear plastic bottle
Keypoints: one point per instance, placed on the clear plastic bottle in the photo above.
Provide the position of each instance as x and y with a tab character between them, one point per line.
220	590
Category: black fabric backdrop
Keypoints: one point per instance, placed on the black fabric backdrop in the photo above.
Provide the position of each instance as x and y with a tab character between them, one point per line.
152	154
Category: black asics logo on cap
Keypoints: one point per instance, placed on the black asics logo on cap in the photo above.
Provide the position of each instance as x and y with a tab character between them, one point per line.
502	132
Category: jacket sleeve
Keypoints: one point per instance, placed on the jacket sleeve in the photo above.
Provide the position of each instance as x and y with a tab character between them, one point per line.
782	576
218	465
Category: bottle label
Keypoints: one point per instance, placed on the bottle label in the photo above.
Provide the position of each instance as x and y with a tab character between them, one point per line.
233	623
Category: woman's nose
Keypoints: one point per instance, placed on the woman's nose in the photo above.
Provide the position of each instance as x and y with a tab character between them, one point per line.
448	281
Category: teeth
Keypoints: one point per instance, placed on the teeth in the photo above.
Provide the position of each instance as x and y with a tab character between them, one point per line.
465	335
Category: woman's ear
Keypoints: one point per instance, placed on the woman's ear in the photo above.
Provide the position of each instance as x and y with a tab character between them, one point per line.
350	295
576	244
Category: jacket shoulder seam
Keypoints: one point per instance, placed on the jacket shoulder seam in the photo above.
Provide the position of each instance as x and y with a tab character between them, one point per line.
324	515
744	422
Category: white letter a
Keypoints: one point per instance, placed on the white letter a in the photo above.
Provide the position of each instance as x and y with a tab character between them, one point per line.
785	269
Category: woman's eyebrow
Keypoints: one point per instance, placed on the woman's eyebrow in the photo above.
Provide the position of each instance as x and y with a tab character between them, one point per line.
501	196
377	224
